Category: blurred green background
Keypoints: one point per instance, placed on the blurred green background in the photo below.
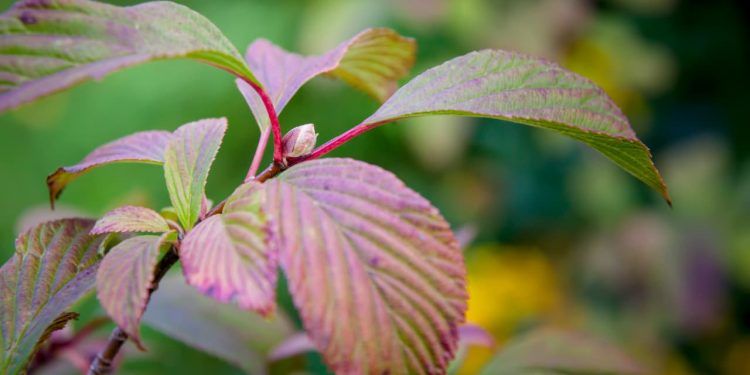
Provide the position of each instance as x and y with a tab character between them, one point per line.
563	236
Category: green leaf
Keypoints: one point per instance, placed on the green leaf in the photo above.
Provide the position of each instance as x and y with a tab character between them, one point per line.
54	266
142	147
130	219
372	61
228	257
553	351
373	267
47	46
529	91
187	161
223	330
124	279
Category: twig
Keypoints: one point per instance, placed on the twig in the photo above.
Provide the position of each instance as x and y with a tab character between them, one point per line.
102	364
336	142
273	118
259	151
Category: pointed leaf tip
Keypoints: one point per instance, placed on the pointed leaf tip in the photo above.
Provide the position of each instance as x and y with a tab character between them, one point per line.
372	61
529	91
124	279
229	256
142	147
187	161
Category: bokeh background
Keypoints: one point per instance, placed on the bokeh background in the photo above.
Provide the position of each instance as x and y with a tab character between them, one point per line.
563	237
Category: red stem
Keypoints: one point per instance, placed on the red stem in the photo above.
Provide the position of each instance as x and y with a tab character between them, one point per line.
273	117
336	142
259	150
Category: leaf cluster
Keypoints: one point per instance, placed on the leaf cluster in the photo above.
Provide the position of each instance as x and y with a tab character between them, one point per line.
374	269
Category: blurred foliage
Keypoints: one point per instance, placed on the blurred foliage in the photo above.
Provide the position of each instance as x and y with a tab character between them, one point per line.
564	237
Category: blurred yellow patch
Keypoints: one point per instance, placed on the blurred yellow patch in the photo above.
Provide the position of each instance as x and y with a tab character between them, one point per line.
737	360
508	287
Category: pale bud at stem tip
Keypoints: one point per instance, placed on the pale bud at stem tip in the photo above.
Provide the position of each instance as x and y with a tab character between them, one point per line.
299	141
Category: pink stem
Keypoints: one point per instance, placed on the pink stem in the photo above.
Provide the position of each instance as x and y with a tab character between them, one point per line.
275	127
262	142
336	142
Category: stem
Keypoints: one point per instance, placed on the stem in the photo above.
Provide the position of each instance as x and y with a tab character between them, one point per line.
102	364
270	172
335	142
273	117
259	150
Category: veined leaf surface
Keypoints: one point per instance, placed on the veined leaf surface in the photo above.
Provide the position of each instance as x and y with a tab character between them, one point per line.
54	266
373	268
187	160
47	46
228	256
130	219
124	279
530	91
142	147
371	61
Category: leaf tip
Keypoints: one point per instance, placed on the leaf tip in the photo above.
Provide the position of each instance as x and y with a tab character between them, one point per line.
53	186
138	343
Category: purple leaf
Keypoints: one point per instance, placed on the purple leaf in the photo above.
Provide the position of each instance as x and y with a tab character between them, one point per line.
54	266
472	334
187	160
124	278
48	46
131	219
525	90
228	256
371	61
294	345
556	351
222	330
144	147
373	268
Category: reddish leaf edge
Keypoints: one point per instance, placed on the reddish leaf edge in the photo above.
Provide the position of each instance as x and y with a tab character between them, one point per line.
165	244
56	187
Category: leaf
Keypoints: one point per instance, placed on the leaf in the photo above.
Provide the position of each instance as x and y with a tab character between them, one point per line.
555	351
53	267
130	219
124	279
216	328
472	334
529	91
299	343
227	256
187	160
47	46
373	268
294	345
143	147
371	61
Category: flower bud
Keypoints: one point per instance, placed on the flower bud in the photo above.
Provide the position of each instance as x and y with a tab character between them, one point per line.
299	141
